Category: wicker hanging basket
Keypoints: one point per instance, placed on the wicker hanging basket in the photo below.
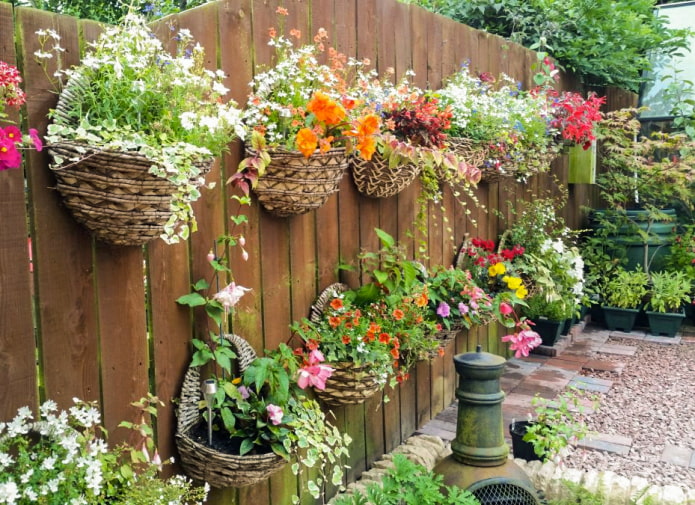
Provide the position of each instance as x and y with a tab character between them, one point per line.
294	184
483	156
375	179
204	463
349	384
110	193
445	337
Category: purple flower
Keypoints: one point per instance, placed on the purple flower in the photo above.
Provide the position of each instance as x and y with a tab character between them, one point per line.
274	414
443	310
463	308
244	392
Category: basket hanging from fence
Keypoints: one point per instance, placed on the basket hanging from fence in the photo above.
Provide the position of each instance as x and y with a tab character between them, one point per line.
294	184
349	384
374	178
202	462
484	156
113	194
445	337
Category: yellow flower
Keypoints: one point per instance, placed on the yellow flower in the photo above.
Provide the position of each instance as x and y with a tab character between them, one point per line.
513	283
521	292
236	381
496	269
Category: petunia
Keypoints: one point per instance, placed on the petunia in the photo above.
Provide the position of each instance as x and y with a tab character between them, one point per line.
274	414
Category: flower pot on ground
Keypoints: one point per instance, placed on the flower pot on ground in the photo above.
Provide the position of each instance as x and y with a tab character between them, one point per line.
520	448
623	297
548	316
669	292
131	141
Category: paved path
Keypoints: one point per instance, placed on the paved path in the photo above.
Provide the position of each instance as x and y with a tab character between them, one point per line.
550	370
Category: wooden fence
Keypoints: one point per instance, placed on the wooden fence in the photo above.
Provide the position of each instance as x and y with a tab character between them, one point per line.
88	320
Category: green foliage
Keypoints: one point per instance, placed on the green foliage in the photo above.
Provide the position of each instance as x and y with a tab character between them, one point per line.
578	494
408	483
109	11
626	289
558	422
556	310
605	42
669	291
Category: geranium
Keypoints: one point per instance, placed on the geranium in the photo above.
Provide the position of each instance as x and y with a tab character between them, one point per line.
131	94
11	138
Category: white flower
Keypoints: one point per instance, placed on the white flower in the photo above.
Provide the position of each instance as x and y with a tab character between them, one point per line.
188	120
5	460
220	88
230	295
9	493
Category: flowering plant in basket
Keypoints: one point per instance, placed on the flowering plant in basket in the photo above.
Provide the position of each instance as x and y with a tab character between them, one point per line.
11	138
129	94
261	408
455	300
302	105
63	457
496	115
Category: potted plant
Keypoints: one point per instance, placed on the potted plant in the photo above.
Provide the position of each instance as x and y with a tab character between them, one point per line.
556	424
548	316
642	180
681	258
669	291
135	131
623	297
63	456
302	118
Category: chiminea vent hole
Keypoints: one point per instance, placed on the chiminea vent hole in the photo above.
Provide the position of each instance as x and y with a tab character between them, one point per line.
503	494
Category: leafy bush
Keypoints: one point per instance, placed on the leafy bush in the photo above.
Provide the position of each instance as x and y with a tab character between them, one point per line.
409	484
604	42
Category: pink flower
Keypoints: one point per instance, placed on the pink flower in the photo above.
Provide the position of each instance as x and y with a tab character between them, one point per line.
230	295
463	308
9	155
443	309
505	309
315	376
12	133
35	139
210	257
522	342
316	357
274	414
244	392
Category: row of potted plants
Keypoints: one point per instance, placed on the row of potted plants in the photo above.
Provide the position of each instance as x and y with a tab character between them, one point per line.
307	116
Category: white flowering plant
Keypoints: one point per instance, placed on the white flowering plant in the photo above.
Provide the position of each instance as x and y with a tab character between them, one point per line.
513	124
130	94
63	457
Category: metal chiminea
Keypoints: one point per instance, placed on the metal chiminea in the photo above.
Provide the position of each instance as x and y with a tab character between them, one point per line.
480	462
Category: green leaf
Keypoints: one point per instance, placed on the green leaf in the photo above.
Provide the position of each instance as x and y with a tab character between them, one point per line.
228	419
201	284
192	300
246	446
386	239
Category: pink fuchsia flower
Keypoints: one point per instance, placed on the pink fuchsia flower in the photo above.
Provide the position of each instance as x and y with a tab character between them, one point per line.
230	295
35	139
316	357
443	310
522	342
505	309
274	414
315	376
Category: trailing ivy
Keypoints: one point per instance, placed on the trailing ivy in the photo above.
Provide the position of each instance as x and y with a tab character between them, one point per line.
605	42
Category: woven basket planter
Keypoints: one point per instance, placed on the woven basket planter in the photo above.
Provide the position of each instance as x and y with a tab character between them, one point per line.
479	155
375	179
294	184
349	385
202	462
112	194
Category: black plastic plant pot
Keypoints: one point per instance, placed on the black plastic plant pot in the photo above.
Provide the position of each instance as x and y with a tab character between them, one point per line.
548	330
665	324
520	448
617	319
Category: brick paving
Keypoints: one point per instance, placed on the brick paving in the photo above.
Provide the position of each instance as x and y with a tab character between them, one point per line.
550	370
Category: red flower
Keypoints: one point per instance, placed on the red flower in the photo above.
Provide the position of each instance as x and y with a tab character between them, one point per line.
346	339
336	304
384	338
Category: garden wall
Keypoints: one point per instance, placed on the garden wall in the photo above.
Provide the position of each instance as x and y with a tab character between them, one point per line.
88	320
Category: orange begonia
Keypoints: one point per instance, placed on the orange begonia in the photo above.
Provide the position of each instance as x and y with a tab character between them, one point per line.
306	141
326	109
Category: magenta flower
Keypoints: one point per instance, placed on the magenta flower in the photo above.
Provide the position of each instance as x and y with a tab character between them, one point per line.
274	414
522	342
230	295
315	376
9	155
506	309
463	308
12	133
443	310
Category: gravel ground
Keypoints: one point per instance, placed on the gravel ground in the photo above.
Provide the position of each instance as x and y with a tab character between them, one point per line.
653	402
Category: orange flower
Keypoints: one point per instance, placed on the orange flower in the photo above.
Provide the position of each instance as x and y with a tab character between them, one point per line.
421	300
334	321
368	125
336	304
398	314
384	338
346	339
396	343
348	103
272	33
282	11
306	142
395	353
297	34
366	147
325	144
326	109
374	328
440	351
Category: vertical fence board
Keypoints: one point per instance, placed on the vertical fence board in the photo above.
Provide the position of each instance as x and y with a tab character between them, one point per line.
17	359
67	316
